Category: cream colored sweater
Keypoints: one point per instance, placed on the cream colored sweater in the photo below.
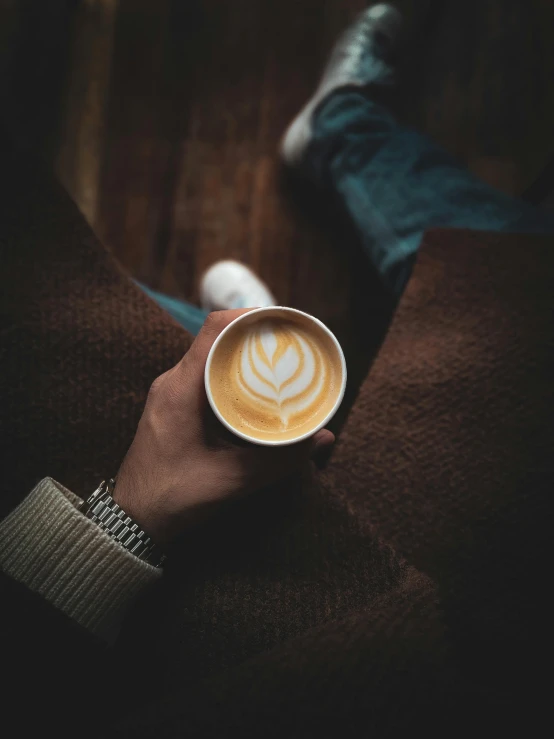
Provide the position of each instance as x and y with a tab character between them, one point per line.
49	546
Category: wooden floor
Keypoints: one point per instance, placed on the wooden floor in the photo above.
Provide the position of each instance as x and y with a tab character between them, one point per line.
162	119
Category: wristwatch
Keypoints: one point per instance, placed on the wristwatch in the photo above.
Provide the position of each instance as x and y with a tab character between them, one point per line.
101	508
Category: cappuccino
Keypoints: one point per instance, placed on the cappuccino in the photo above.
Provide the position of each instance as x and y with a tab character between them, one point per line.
275	375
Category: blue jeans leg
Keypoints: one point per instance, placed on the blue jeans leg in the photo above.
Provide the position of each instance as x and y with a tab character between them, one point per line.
395	184
188	315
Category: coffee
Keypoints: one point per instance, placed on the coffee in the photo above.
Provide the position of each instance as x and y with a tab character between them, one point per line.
275	375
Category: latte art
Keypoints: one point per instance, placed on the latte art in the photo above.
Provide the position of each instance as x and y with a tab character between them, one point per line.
275	378
280	369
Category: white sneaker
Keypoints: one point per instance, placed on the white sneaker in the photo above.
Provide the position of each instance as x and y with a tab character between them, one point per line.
358	58
229	284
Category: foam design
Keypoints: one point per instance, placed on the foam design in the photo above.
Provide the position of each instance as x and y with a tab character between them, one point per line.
275	379
282	370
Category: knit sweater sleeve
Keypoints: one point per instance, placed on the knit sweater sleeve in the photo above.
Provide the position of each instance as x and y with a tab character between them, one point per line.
50	547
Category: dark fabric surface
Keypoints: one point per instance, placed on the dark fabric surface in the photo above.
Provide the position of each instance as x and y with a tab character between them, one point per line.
293	615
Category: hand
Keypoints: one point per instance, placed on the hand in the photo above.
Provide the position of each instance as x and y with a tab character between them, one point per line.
183	462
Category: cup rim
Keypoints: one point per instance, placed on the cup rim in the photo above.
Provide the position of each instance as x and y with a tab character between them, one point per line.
276	442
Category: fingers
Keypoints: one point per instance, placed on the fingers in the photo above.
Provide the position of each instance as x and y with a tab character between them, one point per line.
323	440
280	461
297	453
322	447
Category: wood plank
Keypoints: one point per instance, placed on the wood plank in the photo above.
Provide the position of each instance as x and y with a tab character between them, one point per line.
163	120
81	146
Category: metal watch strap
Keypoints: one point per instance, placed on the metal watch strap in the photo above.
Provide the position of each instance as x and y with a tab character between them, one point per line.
101	508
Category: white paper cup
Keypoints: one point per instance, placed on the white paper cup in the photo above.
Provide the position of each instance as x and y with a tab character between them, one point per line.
265	313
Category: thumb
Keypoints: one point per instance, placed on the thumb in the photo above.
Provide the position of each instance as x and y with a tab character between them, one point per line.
213	325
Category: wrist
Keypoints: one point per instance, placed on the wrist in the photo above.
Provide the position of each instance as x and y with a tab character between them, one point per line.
129	493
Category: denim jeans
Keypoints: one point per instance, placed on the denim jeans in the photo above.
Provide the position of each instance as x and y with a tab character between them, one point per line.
186	314
394	184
